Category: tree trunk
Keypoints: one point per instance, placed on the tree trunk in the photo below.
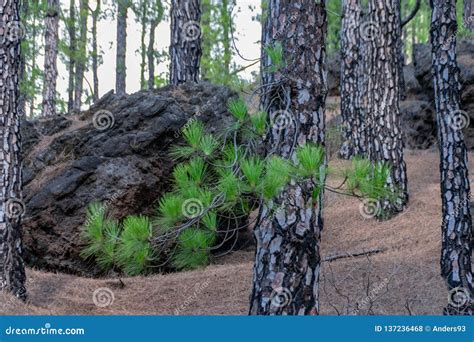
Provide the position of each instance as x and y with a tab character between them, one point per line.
50	57
287	260
121	67
352	132
185	48
151	56
226	22
95	50
151	44
384	136
71	28
34	53
143	47
81	56
24	15
401	55
12	270
469	14
206	39
457	234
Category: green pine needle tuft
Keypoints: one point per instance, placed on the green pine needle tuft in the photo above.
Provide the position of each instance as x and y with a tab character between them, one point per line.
238	109
134	251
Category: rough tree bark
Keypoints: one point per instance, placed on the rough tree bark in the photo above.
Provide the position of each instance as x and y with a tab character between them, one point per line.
71	29
50	57
384	137
121	67
12	270
287	260
457	234
81	56
95	50
352	119
469	14
185	47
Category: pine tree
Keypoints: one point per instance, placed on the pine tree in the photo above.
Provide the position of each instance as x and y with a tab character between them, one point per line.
469	14
121	67
71	29
12	271
287	261
50	57
157	17
81	56
384	136
185	47
351	70
457	234
95	50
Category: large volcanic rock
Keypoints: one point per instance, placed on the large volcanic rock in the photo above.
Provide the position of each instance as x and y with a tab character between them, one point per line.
71	161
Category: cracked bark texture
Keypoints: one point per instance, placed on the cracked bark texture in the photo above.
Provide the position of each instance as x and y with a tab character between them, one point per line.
50	57
287	260
384	137
12	271
185	47
352	118
121	67
457	234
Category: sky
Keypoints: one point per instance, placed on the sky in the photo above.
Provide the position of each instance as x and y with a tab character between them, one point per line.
247	30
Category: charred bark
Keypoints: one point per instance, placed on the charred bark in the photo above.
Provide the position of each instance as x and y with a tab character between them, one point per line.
50	57
185	48
352	119
457	234
384	136
287	260
12	270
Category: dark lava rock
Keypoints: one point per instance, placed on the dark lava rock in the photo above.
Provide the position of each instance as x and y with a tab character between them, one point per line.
71	161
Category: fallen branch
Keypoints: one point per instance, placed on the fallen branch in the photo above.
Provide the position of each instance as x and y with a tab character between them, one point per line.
338	256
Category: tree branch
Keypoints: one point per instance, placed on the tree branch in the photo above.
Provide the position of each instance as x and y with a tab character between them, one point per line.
412	14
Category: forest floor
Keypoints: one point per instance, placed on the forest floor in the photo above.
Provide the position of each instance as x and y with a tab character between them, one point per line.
403	278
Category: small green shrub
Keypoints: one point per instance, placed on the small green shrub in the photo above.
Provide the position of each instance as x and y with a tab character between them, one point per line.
113	245
217	180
